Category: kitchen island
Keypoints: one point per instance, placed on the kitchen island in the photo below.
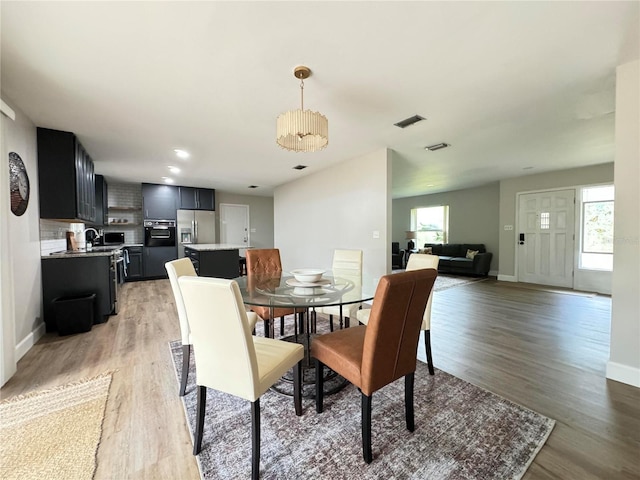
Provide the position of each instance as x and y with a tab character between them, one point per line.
220	260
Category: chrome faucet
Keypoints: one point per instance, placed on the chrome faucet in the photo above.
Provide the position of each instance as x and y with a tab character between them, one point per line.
98	234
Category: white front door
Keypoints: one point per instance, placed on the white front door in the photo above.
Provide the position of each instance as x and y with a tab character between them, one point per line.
546	238
234	224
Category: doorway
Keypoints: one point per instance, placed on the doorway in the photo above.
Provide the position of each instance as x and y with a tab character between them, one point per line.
234	225
545	238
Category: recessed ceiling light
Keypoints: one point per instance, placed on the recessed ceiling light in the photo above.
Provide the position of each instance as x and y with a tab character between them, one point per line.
437	146
299	167
430	185
181	153
253	186
409	121
173	169
527	168
167	180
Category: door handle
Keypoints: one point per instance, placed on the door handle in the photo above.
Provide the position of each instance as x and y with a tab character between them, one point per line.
521	239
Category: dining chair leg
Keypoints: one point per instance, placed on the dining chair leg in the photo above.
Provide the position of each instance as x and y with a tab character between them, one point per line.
366	428
427	346
331	323
255	439
408	400
186	353
297	388
281	326
266	328
202	404
319	385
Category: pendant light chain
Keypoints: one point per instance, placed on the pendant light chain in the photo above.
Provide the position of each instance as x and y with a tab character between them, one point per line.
302	94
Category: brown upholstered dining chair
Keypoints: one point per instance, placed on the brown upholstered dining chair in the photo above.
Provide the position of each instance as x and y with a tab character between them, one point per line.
262	263
416	262
375	355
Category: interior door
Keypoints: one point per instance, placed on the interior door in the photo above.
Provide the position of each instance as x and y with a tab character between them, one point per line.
234	224
546	238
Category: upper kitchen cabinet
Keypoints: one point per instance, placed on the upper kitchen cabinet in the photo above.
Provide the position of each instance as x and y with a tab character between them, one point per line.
66	179
159	202
192	198
102	202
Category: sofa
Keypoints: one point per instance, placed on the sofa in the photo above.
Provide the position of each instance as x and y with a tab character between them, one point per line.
454	258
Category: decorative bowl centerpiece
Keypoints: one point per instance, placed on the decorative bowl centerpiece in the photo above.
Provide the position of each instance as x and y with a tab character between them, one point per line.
307	275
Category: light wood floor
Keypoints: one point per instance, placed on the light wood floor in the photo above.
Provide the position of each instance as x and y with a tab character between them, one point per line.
544	350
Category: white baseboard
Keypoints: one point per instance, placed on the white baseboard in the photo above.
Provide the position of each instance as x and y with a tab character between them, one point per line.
623	373
29	341
507	278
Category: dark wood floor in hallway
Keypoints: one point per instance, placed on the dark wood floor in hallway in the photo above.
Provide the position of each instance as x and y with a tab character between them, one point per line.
544	350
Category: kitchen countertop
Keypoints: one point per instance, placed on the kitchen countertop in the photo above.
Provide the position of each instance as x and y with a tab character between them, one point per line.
205	247
104	251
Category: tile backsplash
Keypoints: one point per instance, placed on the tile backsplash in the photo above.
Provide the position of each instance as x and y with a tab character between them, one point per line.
125	214
126	217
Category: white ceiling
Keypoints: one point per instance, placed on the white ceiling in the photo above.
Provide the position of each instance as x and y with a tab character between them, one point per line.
514	87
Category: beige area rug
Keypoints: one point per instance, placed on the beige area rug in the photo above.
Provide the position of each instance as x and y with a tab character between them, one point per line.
53	434
444	281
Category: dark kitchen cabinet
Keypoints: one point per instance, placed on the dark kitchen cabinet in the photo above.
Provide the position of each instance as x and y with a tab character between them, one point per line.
159	202
102	202
66	178
215	263
133	257
192	198
78	275
154	259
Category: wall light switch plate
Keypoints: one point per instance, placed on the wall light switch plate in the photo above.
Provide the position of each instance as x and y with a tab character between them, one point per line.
376	234
508	227
253	230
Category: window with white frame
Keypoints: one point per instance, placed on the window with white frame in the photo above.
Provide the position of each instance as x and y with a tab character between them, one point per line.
431	224
596	232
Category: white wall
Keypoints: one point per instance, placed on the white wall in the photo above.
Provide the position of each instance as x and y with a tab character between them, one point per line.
337	208
624	360
22	245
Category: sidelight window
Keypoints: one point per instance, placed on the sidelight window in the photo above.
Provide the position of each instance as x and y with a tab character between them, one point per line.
596	239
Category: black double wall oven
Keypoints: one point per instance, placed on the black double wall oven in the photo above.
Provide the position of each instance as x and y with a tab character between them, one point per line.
160	247
159	233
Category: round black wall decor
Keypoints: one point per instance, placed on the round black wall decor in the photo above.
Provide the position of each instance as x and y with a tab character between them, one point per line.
18	184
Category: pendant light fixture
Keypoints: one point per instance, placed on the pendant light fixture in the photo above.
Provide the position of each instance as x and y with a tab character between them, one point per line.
302	130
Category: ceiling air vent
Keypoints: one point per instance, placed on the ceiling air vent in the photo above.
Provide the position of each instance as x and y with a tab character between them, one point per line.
409	121
253	186
437	146
299	167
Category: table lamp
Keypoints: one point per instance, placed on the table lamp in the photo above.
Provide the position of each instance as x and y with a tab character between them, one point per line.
411	235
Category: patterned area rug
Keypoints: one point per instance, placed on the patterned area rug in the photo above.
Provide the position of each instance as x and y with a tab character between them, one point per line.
53	433
462	432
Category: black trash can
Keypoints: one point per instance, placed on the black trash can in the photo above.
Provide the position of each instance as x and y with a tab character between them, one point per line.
74	314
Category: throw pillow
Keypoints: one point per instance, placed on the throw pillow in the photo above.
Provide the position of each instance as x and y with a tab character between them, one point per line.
427	250
472	253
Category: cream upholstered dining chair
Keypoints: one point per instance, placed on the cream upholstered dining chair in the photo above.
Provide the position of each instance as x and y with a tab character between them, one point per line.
176	269
385	350
416	261
347	265
231	360
263	262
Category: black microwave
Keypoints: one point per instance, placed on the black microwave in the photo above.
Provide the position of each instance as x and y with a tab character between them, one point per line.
113	238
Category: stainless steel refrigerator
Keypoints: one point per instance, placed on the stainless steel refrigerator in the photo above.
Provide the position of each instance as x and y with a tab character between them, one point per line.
195	226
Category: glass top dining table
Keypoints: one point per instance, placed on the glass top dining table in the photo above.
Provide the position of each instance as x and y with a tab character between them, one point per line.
284	291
